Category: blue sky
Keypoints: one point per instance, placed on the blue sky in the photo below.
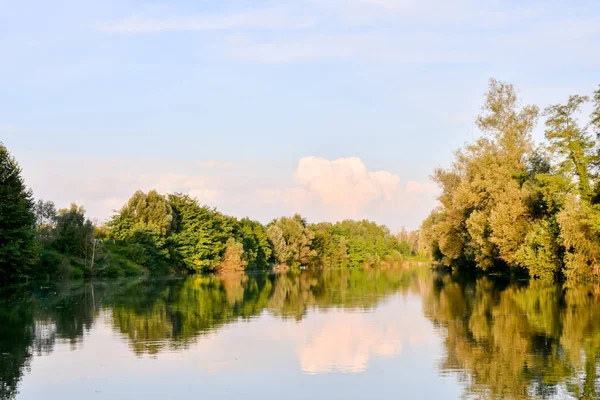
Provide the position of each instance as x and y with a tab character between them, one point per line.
243	103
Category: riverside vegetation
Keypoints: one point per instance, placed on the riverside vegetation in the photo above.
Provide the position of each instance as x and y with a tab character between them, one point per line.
508	205
174	233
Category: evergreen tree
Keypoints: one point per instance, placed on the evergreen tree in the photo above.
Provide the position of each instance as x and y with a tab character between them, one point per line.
17	241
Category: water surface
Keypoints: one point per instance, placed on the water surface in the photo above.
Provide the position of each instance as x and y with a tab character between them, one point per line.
355	334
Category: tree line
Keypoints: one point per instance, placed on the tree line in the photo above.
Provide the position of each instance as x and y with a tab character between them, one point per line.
173	233
509	205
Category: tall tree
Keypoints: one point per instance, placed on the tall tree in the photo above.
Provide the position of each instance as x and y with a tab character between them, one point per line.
505	204
45	221
74	232
253	236
200	236
483	219
292	240
595	120
143	227
144	213
570	142
18	250
576	153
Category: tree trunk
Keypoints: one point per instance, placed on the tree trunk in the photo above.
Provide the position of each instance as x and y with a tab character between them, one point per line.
93	255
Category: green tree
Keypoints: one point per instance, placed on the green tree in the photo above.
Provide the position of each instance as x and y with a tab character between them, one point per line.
74	232
144	214
253	236
45	221
18	250
367	243
324	246
579	217
201	233
595	120
580	233
409	241
570	142
292	240
142	228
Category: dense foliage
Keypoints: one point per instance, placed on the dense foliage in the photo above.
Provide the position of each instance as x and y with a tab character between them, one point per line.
357	243
17	243
176	232
179	233
507	205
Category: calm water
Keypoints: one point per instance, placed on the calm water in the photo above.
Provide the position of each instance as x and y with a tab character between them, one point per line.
337	334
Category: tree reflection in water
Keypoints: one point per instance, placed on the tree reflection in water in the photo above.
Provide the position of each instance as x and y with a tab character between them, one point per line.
501	339
517	340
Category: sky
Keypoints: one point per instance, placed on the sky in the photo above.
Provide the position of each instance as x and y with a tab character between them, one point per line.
331	108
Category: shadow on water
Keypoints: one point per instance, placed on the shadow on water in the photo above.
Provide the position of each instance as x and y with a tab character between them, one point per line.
501	339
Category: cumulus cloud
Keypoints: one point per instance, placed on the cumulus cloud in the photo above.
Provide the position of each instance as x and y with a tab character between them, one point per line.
345	188
345	183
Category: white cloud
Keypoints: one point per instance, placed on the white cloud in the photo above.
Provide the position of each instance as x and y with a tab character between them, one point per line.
273	18
345	183
344	188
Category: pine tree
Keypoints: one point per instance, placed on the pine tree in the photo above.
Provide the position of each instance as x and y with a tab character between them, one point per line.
17	240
